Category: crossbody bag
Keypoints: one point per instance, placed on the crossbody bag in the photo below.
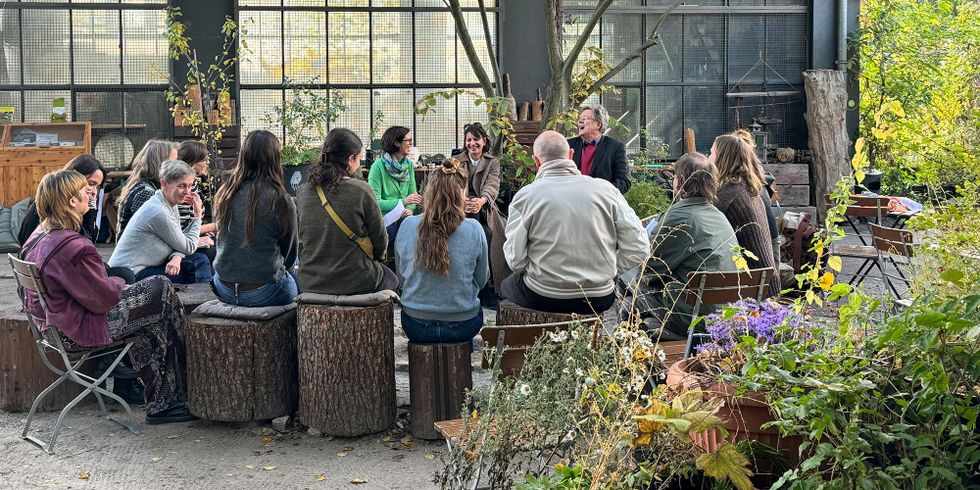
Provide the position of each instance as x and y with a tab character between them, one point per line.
363	242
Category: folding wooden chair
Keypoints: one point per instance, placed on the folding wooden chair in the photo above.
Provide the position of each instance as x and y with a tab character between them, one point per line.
867	209
29	277
716	288
895	246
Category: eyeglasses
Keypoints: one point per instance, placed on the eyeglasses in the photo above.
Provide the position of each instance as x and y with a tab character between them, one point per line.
470	126
408	140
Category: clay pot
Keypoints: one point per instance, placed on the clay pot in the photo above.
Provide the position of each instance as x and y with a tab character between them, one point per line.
743	414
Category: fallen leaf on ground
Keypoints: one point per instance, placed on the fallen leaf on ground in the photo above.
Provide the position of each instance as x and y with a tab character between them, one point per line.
269	468
83	475
430	456
172	436
388	438
321	477
158	458
250	466
407	441
358	481
266	440
342	454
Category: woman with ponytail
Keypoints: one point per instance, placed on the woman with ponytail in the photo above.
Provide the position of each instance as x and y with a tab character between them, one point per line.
340	225
442	259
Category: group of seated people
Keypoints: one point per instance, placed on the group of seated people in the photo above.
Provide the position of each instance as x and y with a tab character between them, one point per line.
568	237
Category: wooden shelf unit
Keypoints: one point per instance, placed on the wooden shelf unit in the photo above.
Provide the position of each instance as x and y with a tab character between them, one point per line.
21	167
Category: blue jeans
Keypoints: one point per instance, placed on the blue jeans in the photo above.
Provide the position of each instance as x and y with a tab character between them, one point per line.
272	294
194	268
441	332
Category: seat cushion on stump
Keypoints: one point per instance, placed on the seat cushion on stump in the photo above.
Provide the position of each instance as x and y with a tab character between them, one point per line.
224	310
371	299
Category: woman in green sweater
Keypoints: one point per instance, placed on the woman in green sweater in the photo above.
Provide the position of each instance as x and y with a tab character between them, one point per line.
332	260
393	176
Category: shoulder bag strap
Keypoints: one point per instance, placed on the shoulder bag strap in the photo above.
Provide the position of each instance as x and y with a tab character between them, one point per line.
363	242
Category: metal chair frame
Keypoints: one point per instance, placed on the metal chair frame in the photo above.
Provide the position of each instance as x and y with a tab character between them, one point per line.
892	243
866	208
719	288
29	277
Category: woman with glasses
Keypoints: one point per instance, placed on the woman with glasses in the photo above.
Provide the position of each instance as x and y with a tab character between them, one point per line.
482	187
393	176
91	309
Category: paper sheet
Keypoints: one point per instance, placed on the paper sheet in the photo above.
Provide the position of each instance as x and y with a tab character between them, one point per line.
393	215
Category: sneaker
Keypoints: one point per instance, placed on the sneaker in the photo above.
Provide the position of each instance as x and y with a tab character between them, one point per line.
180	413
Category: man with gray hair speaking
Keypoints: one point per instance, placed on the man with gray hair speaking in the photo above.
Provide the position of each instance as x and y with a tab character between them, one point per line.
568	236
597	155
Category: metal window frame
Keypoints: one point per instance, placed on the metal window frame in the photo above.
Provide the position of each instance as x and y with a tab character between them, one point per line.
414	85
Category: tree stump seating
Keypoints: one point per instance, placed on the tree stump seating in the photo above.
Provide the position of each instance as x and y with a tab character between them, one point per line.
439	375
240	370
346	349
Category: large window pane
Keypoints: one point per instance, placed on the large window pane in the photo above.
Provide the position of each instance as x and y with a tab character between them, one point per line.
436	133
391	45
10	61
621	34
704	48
435	47
95	37
38	104
144	47
263	35
465	69
396	106
349	47
256	104
306	53
46	38
357	118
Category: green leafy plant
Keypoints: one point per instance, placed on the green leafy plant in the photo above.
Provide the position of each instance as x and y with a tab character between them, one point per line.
304	117
647	198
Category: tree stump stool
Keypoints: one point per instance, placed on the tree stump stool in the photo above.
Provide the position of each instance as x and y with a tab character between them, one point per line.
438	377
346	367
509	313
241	370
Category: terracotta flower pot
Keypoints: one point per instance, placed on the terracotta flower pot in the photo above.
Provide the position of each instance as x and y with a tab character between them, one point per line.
743	415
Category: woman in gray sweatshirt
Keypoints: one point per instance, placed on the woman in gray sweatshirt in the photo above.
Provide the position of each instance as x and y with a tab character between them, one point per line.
256	223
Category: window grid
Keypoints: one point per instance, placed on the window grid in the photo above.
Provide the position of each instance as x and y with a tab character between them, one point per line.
705	53
416	53
107	60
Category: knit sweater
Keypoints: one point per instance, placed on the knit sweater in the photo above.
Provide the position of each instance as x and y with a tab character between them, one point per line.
430	296
747	215
388	190
330	263
271	248
571	235
153	236
137	196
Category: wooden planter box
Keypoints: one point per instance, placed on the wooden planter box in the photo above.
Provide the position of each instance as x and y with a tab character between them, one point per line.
792	183
21	167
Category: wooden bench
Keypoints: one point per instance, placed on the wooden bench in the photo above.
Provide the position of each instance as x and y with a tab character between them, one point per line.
241	370
346	367
439	375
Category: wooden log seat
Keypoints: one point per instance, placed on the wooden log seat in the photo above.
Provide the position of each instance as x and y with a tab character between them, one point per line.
241	365
438	376
346	349
520	327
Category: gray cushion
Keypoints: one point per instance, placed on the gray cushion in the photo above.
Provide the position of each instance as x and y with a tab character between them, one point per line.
371	299
17	213
224	310
8	239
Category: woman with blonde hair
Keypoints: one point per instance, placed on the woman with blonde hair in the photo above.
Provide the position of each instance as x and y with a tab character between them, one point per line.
90	309
441	257
739	200
765	195
145	178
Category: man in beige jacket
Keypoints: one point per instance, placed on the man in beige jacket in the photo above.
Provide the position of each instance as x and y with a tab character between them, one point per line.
568	236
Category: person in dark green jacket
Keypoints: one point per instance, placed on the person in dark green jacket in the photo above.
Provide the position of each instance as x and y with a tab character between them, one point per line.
691	236
393	176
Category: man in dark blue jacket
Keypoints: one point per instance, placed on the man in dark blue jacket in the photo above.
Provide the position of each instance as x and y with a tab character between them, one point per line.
596	155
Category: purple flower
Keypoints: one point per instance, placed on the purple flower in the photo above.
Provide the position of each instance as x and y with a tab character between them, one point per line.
746	318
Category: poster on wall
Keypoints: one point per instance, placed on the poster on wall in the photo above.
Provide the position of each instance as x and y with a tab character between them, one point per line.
6	114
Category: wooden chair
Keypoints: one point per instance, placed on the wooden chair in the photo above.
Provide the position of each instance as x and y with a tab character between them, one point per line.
716	288
895	246
28	276
867	209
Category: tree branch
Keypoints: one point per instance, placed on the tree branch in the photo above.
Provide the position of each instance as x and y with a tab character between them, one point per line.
490	50
467	42
584	37
651	41
553	40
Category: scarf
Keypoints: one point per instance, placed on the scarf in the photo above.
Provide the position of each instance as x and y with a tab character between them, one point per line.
399	171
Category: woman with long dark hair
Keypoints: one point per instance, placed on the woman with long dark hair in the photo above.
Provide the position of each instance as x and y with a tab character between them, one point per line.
340	224
738	199
90	309
255	255
392	176
442	260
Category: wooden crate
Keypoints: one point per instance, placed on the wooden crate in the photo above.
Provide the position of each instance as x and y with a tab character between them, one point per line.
21	168
792	182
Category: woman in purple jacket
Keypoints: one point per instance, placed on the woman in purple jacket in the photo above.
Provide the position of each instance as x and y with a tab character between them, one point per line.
90	309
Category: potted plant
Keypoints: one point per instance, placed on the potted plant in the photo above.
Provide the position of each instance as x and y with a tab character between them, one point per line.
304	117
733	331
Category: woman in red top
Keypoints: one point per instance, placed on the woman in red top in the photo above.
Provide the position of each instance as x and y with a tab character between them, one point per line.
91	309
